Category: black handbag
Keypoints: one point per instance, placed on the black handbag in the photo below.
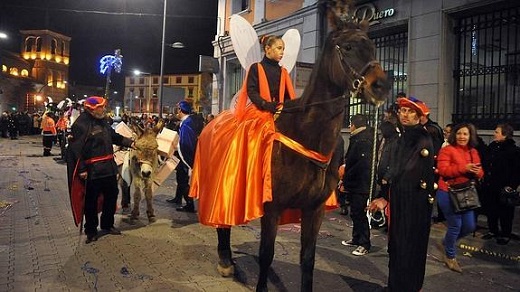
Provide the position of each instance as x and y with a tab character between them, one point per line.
510	197
464	196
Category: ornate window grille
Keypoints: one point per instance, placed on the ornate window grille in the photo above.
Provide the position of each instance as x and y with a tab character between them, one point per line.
487	68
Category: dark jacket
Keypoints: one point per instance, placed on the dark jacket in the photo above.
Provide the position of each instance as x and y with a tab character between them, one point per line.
94	138
358	162
437	135
390	136
410	209
501	165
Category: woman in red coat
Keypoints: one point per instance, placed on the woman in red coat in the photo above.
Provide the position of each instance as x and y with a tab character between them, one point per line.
457	163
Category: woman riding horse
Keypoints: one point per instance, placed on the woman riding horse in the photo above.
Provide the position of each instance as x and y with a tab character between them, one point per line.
297	173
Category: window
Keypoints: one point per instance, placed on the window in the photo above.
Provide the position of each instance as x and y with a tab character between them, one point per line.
487	69
13	71
54	45
38	44
190	91
233	80
62	49
178	80
141	92
132	81
29	44
25	73
238	6
191	79
155	80
141	80
165	80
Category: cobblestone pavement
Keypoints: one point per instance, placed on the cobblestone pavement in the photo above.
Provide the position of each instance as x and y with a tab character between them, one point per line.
41	249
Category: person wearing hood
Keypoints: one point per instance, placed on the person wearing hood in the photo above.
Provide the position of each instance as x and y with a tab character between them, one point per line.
502	169
356	181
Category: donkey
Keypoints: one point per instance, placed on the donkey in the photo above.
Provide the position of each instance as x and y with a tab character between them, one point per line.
142	166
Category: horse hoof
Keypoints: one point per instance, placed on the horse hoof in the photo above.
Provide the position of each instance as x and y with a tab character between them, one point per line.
226	271
152	219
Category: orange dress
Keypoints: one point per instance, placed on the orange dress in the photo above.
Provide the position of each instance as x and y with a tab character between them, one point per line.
232	170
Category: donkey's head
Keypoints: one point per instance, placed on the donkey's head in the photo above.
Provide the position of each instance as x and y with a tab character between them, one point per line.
350	55
143	159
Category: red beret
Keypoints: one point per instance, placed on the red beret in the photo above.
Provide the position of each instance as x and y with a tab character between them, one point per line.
94	102
419	106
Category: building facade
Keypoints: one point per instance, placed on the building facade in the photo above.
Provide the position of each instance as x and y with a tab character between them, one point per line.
40	69
142	92
50	53
462	57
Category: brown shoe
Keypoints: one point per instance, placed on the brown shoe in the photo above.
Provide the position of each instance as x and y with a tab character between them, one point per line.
452	264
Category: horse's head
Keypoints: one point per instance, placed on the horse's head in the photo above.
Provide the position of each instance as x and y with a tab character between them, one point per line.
352	64
143	158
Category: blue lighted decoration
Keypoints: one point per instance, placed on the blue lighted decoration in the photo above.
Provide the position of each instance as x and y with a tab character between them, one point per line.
474	41
111	61
107	64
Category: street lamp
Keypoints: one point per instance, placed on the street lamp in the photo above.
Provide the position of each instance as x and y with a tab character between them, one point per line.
149	98
175	45
3	36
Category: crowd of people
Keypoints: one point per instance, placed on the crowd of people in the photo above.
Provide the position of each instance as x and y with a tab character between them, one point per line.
416	163
15	124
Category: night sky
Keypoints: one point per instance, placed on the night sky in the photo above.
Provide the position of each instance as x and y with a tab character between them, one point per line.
98	27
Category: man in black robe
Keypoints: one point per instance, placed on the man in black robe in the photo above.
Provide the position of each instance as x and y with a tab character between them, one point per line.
410	199
91	159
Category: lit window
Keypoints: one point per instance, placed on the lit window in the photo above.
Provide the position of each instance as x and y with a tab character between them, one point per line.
13	71
25	73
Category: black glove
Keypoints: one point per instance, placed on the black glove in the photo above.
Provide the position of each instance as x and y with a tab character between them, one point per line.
270	106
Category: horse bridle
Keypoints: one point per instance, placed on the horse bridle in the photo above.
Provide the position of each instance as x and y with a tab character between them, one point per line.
360	81
357	84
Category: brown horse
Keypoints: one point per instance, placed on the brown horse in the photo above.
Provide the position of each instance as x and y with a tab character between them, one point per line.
347	66
142	166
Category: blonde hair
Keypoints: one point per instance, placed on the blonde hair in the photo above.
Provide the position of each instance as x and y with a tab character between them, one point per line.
268	40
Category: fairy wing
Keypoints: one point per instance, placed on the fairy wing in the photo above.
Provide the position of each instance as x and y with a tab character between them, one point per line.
245	41
292	41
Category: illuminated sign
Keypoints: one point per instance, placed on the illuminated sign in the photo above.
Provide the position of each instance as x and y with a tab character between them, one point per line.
370	13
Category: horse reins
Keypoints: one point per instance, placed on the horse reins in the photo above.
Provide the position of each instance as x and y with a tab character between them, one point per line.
357	85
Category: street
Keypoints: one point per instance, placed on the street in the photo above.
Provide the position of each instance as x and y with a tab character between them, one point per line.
41	249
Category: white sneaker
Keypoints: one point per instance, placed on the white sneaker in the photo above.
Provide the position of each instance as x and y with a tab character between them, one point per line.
348	243
360	251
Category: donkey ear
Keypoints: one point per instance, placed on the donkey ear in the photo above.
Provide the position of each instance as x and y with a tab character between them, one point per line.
136	128
159	126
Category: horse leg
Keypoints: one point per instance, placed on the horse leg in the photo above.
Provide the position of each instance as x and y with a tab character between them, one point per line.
137	199
311	223
268	235
226	266
149	206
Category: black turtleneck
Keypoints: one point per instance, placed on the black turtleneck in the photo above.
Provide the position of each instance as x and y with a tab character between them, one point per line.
273	72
